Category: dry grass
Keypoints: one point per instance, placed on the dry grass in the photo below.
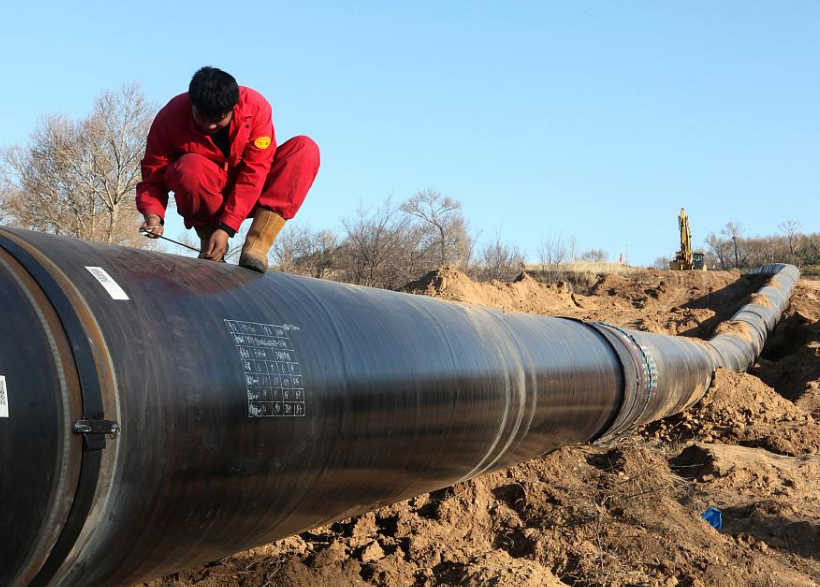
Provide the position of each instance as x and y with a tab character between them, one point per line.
579	273
586	267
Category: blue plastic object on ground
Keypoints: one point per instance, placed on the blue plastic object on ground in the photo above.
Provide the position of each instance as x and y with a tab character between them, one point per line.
714	516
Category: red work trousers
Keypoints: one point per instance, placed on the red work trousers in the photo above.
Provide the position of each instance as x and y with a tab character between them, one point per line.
200	184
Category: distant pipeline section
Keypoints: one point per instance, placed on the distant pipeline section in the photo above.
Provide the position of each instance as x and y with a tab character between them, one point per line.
665	375
158	412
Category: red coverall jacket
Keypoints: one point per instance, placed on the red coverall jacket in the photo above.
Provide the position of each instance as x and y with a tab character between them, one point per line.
174	133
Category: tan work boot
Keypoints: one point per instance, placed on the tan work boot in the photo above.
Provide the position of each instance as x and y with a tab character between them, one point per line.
264	229
204	233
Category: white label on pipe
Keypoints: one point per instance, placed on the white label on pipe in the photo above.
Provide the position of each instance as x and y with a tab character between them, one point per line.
4	398
112	287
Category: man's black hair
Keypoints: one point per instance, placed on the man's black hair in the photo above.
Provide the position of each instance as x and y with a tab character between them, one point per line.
213	92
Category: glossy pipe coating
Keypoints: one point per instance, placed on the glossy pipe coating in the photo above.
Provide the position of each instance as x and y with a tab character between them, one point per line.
157	412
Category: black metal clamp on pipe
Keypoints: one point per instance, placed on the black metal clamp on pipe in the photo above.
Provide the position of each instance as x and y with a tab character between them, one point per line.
252	407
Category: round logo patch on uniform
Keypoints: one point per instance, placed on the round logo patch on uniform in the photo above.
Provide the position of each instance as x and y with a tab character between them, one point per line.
262	142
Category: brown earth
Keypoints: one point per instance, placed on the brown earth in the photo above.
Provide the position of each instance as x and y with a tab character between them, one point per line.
623	514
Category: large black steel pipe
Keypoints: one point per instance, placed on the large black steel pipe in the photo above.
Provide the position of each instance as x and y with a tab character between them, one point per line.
252	407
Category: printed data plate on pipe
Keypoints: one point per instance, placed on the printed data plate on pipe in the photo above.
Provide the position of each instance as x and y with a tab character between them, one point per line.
273	377
4	398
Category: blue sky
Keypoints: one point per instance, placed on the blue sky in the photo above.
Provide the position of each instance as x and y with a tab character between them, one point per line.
593	118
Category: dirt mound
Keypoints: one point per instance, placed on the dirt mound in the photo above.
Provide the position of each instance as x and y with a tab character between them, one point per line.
767	500
667	302
673	302
616	515
806	299
580	516
668	288
525	294
791	361
740	409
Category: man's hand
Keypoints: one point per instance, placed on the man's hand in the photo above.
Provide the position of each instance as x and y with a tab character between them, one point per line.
152	226
217	246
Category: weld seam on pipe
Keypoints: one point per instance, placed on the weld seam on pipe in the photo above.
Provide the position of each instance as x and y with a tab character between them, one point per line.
639	378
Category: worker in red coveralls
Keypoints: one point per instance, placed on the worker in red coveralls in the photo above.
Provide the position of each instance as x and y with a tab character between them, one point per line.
214	147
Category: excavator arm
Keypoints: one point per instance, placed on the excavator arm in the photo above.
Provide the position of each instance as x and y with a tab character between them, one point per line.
684	260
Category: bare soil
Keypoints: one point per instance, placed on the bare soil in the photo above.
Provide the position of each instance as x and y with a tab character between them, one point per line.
622	514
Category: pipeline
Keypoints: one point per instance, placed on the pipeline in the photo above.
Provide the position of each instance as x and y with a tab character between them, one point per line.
158	412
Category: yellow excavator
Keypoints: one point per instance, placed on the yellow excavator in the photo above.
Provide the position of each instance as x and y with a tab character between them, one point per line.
685	259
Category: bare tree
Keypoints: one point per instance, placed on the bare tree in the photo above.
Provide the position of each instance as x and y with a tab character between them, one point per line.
572	248
551	252
500	260
320	259
376	246
384	246
791	230
758	251
79	177
117	129
732	250
811	249
44	188
443	226
7	194
734	232
595	255
299	249
719	249
288	247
